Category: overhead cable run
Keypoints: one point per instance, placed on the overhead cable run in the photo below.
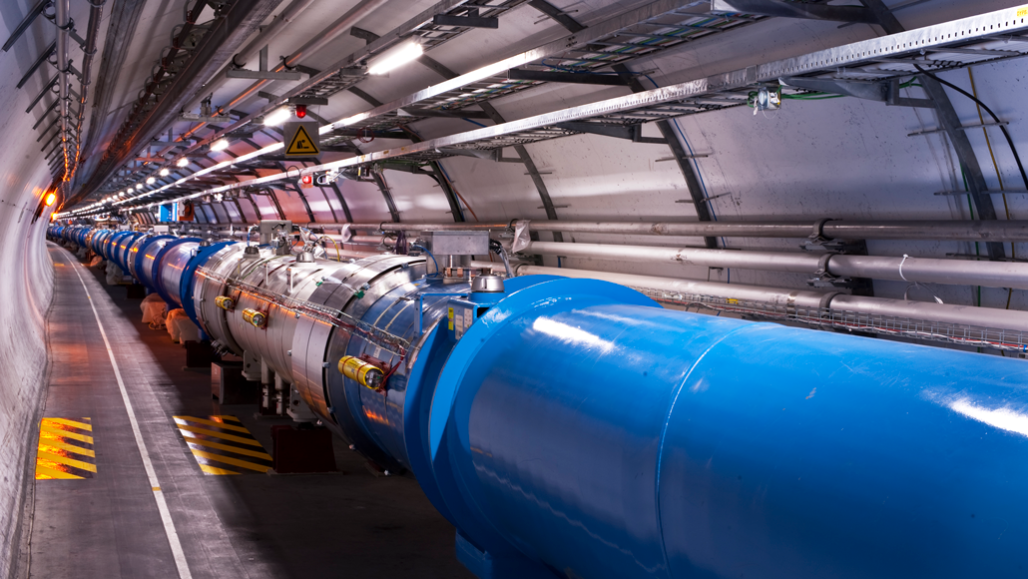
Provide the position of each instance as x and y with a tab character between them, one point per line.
641	32
985	38
343	75
68	121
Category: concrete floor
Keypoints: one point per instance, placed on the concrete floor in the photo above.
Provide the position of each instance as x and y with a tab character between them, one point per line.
346	524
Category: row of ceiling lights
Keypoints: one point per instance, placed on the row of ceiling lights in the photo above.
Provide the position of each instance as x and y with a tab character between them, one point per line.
388	61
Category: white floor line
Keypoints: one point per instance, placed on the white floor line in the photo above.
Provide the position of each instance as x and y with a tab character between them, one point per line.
162	504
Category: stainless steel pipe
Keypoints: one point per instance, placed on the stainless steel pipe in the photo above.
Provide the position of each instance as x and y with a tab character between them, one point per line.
1011	320
830	229
62	21
909	269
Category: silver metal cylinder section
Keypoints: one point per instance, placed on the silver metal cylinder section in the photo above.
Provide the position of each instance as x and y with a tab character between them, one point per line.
206	288
351	288
282	276
173	265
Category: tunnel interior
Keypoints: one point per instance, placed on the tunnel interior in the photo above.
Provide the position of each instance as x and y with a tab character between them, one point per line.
513	288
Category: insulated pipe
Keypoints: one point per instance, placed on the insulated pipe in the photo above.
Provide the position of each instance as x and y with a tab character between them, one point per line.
909	269
63	29
828	228
787	299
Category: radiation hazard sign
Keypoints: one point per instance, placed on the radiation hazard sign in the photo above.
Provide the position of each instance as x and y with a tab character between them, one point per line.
301	140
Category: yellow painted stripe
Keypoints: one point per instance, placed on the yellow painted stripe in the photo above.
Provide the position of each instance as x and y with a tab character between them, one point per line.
232	461
235	449
65	446
187	429
45	472
186	419
65	460
229	417
71	423
66	434
215	470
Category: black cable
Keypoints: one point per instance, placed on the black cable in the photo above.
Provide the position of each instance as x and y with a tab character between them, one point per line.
1013	149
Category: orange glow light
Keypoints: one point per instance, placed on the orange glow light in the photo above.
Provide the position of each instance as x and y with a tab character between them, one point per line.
50	199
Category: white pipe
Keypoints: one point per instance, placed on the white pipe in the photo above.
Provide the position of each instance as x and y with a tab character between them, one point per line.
908	269
1010	320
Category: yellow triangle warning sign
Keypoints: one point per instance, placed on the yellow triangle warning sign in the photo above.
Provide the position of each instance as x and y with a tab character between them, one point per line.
302	144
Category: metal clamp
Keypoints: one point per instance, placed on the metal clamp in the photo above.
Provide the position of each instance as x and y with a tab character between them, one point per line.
818	235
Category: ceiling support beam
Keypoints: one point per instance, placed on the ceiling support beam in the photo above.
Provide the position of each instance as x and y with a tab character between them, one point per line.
218	46
565	77
682	158
949	119
465	21
557	15
387	194
851	14
34	12
39	62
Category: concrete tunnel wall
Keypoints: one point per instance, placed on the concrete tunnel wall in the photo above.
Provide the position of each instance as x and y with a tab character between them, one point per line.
26	289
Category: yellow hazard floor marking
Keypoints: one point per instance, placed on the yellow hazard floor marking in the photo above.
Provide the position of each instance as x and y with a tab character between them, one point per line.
45	472
61	459
219	453
232	461
221	435
207	469
55	445
67	422
64	450
67	434
235	449
222	425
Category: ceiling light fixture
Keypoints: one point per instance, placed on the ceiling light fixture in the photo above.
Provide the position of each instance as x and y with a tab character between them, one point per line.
219	145
182	162
151	180
139	187
395	57
164	172
277	117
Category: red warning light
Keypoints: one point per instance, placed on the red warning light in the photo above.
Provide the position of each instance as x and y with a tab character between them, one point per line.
50	199
307	181
301	111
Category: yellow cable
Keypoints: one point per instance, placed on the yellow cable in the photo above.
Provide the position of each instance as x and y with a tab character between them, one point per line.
339	258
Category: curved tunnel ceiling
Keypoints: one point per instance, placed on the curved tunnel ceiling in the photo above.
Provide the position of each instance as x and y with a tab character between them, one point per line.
772	165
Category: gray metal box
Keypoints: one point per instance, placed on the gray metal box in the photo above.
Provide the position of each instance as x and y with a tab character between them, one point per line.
460	242
267	228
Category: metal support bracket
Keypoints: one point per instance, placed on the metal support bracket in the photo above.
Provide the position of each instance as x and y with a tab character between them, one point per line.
794	10
883	91
632	133
465	21
566	77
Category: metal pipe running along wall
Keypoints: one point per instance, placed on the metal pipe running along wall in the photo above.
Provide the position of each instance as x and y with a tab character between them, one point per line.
828	229
573	428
